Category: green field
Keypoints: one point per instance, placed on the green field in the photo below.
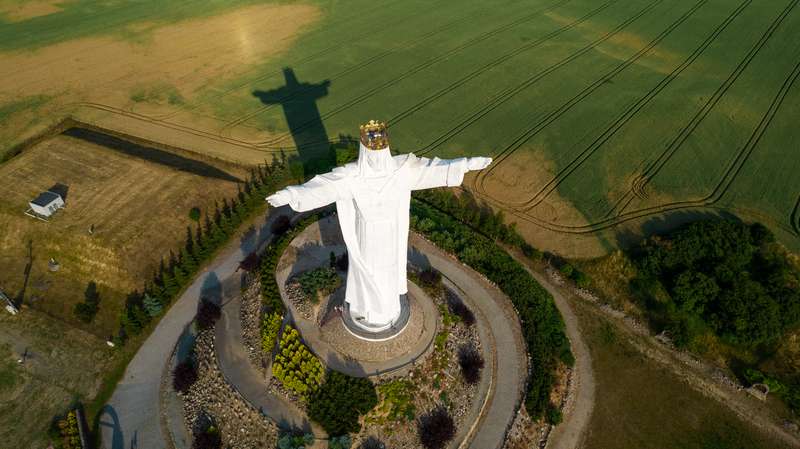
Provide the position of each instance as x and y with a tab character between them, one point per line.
623	112
642	404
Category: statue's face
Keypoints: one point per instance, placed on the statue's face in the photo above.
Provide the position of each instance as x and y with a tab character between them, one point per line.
376	159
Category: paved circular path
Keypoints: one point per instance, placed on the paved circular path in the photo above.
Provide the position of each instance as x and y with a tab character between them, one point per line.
131	418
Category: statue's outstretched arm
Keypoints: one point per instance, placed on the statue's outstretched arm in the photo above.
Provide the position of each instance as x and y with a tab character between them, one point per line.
430	173
319	191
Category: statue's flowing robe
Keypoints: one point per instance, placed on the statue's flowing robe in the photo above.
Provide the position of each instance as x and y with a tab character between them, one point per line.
373	208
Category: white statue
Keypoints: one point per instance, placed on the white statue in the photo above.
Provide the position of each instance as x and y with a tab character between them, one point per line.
373	198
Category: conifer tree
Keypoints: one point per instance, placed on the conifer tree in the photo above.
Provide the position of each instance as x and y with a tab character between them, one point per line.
189	240
171	286
140	315
188	263
129	323
200	251
236	219
152	305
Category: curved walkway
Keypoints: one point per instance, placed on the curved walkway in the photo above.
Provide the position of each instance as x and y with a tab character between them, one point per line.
511	363
131	419
578	410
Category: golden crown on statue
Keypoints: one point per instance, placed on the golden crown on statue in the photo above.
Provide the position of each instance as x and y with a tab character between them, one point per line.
374	135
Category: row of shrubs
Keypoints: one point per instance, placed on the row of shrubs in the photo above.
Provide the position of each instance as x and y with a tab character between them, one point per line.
466	209
201	243
65	433
285	233
542	326
295	366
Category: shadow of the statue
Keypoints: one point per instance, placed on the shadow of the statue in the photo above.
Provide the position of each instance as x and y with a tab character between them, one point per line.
299	103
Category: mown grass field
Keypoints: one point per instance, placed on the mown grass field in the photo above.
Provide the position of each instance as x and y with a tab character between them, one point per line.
604	117
137	206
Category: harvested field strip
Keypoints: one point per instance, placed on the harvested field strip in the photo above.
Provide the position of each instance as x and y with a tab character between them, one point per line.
624	118
506	95
430	62
708	201
653	168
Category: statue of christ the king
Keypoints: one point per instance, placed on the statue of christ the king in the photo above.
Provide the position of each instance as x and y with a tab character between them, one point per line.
373	197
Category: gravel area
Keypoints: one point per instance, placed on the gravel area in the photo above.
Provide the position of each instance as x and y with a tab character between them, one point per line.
240	425
437	381
352	347
250	315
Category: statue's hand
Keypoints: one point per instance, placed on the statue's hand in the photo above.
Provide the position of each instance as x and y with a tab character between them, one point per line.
279	198
478	163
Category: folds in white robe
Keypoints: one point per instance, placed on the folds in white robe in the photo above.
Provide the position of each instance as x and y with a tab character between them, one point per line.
372	199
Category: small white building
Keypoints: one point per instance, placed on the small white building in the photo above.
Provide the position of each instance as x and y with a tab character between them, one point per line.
46	204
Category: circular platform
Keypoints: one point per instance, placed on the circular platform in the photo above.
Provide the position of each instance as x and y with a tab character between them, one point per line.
339	342
363	331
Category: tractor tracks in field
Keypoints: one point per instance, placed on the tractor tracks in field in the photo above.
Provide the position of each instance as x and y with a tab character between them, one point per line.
555	115
651	170
353	68
623	119
710	200
509	93
794	218
436	59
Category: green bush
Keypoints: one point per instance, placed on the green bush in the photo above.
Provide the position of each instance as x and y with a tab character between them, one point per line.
323	280
554	415
295	366
339	402
290	441
542	326
397	400
270	326
340	442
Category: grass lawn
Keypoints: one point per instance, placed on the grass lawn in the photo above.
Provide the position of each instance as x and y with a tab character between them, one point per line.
641	404
136	200
63	365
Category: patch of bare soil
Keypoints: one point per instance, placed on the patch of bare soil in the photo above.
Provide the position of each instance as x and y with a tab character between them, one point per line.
157	68
185	55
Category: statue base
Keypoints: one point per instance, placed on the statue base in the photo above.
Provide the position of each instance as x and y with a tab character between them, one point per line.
366	331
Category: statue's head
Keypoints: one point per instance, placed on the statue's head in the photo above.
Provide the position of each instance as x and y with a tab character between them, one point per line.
374	155
374	135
